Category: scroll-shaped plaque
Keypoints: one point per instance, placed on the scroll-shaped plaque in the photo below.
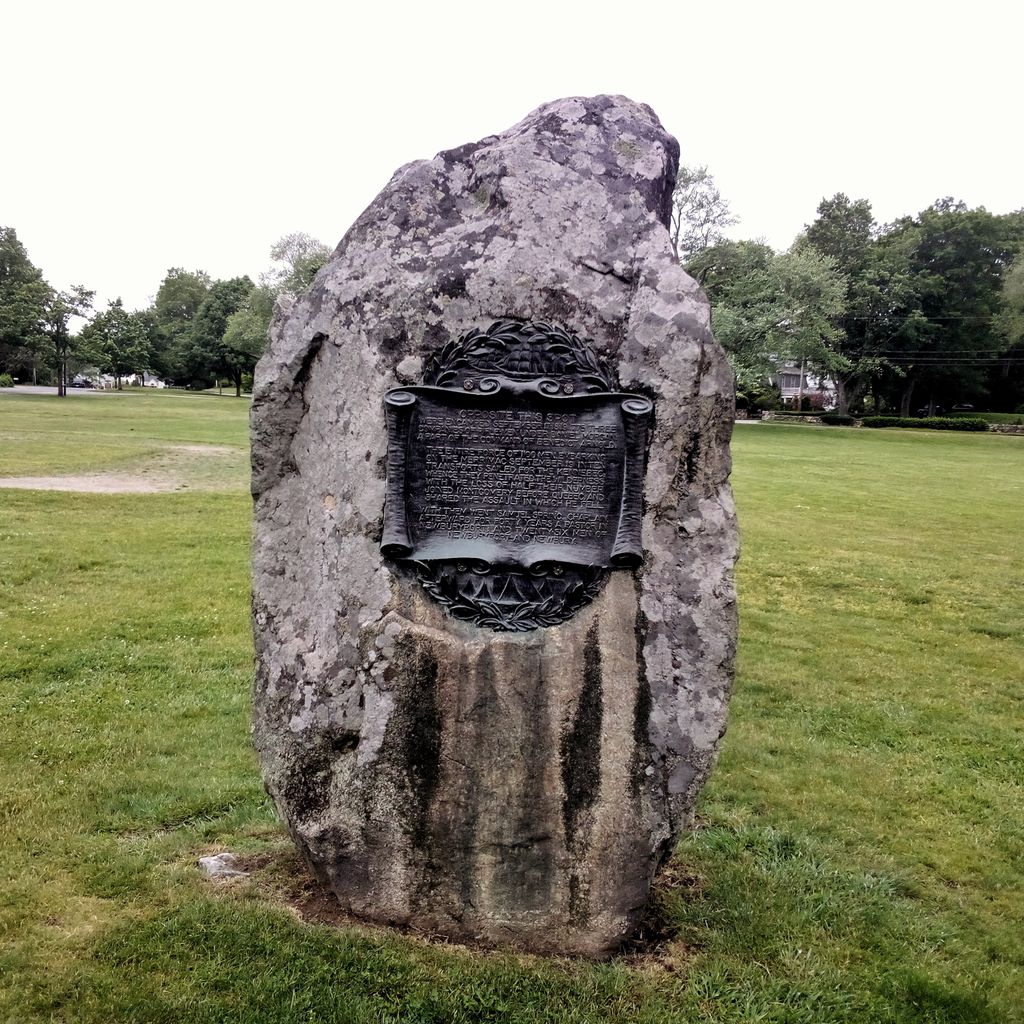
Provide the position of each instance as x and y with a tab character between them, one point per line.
515	484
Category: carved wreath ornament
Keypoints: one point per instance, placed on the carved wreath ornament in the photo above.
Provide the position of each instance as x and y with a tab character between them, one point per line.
519	350
514	476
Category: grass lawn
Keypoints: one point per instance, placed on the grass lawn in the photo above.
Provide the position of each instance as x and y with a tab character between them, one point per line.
861	850
90	432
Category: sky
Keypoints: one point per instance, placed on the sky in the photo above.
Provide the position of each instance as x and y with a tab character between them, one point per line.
137	137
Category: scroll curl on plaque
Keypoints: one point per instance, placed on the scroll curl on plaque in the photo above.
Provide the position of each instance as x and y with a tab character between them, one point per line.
515	476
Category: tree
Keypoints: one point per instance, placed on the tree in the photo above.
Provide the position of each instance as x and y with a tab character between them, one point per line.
298	257
769	308
1007	377
23	294
119	341
207	329
956	259
179	297
699	213
845	232
175	306
245	338
59	308
206	353
1009	322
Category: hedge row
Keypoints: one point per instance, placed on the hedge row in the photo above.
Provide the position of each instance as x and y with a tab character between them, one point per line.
837	419
928	422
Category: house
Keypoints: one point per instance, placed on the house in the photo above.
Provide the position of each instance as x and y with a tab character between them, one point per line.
146	380
795	383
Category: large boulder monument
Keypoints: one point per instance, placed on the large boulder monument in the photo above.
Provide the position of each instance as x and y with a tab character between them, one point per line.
493	602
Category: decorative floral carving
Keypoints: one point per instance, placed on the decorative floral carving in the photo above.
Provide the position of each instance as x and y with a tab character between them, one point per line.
520	351
480	595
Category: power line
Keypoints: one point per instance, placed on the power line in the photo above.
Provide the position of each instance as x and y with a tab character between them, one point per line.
992	352
951	316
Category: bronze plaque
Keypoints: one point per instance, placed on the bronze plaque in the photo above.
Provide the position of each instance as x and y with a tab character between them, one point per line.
531	477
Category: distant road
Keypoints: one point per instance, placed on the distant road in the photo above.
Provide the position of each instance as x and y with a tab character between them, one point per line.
29	389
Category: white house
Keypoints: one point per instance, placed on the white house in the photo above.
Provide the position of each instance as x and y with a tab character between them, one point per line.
796	383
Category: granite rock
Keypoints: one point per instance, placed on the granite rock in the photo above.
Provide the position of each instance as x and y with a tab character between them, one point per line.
518	789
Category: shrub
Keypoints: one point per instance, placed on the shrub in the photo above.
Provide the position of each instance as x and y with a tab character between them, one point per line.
837	419
928	422
6	380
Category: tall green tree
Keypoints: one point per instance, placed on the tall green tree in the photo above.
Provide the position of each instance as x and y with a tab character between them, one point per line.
877	282
23	295
175	306
768	308
119	341
956	259
59	309
1006	378
245	336
844	230
206	354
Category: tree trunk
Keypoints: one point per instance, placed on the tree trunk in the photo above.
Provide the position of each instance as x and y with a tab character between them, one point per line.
905	398
849	393
842	398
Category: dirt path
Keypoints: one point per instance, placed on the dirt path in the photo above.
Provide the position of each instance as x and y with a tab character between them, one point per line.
178	467
98	483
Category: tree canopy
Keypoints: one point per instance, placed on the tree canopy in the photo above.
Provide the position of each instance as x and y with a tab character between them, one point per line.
118	341
770	308
699	213
920	308
59	308
23	297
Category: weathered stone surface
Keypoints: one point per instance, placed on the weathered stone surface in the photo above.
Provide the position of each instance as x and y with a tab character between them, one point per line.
518	788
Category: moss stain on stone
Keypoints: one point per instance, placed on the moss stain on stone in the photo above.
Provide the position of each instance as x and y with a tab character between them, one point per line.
420	732
581	743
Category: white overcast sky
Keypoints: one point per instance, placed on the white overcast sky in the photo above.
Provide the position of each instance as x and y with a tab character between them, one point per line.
140	136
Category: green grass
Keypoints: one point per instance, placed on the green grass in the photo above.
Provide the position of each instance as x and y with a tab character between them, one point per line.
861	850
112	431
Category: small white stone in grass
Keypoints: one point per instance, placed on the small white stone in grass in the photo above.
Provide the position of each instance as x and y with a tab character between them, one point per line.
221	865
